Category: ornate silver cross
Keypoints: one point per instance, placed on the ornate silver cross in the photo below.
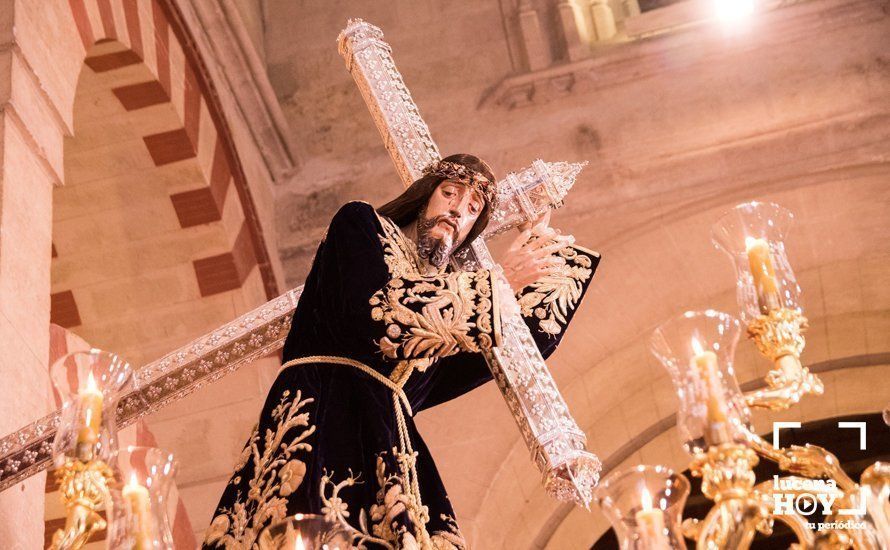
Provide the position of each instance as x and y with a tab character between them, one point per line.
556	442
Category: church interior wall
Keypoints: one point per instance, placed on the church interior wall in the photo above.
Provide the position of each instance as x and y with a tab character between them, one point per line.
146	198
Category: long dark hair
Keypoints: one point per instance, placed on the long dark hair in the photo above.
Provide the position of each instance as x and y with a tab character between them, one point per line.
405	208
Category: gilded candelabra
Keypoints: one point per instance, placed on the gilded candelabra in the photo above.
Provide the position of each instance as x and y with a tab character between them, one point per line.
89	465
697	348
87	383
83	487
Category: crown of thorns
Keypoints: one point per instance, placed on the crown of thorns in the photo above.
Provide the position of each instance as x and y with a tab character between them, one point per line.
465	175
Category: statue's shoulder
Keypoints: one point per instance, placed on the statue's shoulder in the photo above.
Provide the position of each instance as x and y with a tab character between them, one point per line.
353	215
355	210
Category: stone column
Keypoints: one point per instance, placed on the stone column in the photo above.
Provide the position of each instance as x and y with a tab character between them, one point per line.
30	164
537	54
568	19
603	19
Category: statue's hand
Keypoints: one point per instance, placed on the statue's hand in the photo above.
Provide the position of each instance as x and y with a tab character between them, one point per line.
532	254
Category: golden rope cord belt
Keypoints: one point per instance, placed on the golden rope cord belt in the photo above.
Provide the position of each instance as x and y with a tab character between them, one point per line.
407	456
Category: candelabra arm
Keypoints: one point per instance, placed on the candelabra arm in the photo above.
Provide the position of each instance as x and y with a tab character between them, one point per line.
810	461
815	462
779	337
731	524
800	527
84	490
762	447
876	478
767	490
692	528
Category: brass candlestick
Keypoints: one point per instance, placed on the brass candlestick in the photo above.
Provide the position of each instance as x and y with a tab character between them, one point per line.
88	383
779	337
753	236
84	490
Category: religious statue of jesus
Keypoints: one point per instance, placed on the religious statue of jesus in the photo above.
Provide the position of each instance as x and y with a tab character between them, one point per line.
385	328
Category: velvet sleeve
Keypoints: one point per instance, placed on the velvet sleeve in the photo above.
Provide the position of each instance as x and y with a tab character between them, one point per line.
454	376
548	304
352	268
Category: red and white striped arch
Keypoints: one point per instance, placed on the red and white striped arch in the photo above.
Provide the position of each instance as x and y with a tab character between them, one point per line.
155	35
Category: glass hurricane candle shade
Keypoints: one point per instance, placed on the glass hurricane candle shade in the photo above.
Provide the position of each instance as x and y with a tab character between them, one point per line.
141	505
697	349
752	234
644	505
303	532
88	384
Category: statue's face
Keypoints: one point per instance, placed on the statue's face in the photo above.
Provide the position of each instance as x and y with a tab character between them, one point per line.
449	216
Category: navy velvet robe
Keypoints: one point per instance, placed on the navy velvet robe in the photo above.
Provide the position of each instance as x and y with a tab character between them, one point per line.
327	438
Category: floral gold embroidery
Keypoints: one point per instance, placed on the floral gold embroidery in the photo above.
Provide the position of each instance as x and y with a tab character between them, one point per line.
435	316
276	474
431	316
399	253
550	298
291	476
451	539
379	524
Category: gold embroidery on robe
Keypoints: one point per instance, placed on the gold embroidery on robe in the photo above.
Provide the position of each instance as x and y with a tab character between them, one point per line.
550	298
276	474
435	316
399	253
431	316
378	524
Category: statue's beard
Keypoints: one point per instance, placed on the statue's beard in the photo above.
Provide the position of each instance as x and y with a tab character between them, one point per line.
435	250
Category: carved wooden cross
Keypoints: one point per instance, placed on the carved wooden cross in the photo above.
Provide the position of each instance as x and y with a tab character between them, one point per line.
551	434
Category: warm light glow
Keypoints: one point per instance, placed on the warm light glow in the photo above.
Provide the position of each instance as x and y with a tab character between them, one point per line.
299	544
133	481
696	347
733	11
91	387
646	500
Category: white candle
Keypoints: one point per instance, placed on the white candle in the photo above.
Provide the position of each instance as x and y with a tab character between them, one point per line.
140	507
90	398
761	264
651	524
705	362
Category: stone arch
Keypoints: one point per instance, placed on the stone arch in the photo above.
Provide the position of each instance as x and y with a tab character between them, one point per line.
146	220
154	31
44	47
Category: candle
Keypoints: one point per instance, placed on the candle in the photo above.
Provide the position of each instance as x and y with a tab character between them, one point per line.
298	545
651	524
705	362
140	508
91	412
761	264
